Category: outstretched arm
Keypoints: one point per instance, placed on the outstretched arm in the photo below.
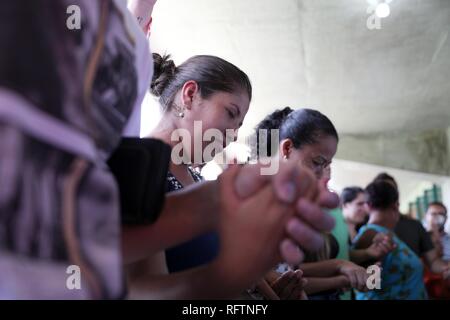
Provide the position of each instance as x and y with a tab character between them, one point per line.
316	285
142	10
186	214
436	264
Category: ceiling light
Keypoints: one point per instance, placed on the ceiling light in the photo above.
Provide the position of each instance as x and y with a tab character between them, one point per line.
383	10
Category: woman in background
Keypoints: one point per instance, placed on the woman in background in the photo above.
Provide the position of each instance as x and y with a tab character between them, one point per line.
402	270
312	138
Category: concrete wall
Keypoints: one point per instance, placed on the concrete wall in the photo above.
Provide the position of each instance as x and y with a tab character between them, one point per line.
427	152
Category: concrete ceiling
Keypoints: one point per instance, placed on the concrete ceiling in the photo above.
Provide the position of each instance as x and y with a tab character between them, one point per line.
320	54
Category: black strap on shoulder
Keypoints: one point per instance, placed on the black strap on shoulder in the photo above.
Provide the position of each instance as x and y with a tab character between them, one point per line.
140	167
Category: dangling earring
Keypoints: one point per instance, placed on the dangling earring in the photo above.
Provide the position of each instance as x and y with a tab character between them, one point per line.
180	112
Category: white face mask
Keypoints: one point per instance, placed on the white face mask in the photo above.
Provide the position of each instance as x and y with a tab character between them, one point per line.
436	221
440	220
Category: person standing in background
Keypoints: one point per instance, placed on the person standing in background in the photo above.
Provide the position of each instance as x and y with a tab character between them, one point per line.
416	237
402	270
435	218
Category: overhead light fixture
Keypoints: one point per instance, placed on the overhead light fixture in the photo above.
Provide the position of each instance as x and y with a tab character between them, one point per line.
383	10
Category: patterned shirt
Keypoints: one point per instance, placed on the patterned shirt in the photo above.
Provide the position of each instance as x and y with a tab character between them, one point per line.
401	275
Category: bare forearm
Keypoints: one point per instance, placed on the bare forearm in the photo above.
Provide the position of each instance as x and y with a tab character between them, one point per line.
186	214
199	283
315	285
326	268
360	256
434	262
438	266
142	10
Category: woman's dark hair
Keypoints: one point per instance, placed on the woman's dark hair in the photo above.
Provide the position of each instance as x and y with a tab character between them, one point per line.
212	74
383	176
33	36
302	127
381	194
350	193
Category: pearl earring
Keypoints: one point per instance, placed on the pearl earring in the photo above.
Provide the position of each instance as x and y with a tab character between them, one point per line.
181	114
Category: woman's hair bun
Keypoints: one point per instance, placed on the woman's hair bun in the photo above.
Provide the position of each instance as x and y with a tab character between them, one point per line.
275	119
163	71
